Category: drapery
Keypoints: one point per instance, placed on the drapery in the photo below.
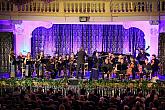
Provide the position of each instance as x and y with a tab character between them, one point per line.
67	38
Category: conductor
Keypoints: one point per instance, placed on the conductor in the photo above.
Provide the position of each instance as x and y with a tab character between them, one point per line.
80	62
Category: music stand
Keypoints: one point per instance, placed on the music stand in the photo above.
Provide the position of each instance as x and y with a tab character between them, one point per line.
15	63
119	67
121	70
28	62
141	62
124	67
44	61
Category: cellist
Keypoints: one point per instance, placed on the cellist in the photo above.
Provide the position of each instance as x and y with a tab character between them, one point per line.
132	68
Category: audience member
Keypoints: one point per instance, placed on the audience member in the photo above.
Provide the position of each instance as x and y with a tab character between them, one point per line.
54	100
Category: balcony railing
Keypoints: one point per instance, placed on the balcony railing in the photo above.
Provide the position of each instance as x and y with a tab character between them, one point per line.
85	8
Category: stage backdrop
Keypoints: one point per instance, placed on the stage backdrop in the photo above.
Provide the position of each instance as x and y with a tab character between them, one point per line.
67	38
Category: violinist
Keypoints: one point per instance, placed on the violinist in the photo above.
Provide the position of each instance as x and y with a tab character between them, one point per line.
109	56
20	56
39	65
67	59
28	65
65	62
112	59
55	58
72	61
21	59
59	65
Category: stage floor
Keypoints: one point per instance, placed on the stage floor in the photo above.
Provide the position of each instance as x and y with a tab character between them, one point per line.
87	76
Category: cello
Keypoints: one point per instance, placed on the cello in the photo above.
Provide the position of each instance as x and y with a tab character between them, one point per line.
131	66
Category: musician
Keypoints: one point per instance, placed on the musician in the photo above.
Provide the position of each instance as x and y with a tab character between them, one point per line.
12	60
67	58
47	66
64	63
140	72
72	61
50	67
107	68
123	66
40	65
20	56
154	65
67	61
28	65
112	59
21	59
80	62
55	60
142	56
109	55
133	66
147	68
95	66
120	67
59	65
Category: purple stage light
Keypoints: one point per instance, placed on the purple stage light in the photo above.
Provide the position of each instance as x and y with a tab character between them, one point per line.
23	32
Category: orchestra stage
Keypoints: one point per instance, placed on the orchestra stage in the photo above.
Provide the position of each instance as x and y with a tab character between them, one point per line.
121	47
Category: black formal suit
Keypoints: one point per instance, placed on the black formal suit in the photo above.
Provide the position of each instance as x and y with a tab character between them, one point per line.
107	68
81	56
95	68
155	66
141	57
95	62
80	62
147	69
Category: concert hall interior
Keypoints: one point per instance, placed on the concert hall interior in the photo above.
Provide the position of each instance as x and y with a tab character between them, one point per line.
82	45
